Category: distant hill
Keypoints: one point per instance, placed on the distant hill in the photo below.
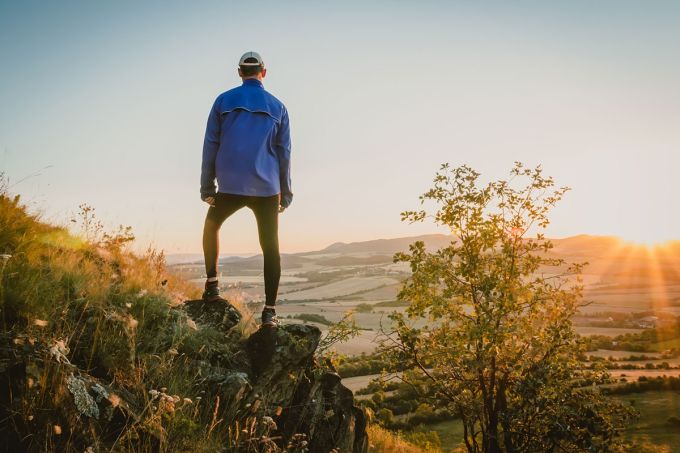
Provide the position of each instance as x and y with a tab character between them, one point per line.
432	241
607	256
586	245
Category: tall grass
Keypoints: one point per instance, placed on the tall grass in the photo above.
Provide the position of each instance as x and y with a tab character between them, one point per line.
382	440
86	305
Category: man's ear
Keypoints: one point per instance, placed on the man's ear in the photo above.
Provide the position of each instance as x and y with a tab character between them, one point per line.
264	72
239	72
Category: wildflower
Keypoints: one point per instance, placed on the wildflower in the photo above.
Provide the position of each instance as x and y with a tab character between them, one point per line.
59	350
192	324
5	257
30	417
128	305
57	430
172	351
154	393
40	322
269	423
142	293
114	400
187	401
132	322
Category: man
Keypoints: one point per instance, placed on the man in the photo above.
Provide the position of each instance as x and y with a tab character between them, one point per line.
247	148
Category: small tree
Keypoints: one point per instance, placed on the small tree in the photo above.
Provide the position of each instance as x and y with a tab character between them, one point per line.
488	323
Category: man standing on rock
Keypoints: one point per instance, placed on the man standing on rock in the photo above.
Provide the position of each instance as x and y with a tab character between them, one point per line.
247	148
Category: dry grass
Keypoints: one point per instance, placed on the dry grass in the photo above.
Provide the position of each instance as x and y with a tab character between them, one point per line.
86	306
381	440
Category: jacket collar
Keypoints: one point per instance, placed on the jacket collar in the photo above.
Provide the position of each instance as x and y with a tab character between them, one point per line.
253	82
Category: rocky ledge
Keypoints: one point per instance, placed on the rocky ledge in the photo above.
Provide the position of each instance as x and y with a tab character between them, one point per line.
269	381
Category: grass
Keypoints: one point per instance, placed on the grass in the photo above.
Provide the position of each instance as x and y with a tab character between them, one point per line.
83	306
661	346
652	426
313	317
381	440
450	433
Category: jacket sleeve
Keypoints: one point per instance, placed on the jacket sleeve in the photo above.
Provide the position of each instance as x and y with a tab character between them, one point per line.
211	144
283	152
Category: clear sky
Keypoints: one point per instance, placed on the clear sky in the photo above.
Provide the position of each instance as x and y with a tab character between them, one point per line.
107	103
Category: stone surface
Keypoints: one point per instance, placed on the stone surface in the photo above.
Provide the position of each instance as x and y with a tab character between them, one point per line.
313	400
219	314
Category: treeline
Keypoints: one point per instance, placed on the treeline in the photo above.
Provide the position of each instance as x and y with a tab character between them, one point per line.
644	341
646	384
362	365
312	317
400	405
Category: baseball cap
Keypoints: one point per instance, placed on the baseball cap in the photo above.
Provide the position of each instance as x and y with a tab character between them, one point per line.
251	59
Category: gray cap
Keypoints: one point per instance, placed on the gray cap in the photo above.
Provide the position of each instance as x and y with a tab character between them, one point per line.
249	55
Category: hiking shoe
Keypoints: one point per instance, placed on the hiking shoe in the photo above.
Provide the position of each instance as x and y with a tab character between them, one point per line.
211	293
269	317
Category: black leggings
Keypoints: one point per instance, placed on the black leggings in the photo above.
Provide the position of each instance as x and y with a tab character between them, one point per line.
266	211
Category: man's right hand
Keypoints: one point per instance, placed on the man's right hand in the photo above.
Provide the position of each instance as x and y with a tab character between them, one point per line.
210	201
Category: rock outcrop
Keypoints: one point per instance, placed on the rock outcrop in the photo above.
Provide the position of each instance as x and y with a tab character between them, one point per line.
313	400
269	380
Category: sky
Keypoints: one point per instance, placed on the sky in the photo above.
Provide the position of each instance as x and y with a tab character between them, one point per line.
105	103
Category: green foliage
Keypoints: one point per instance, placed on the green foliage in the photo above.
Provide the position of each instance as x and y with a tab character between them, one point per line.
497	345
339	332
361	365
429	441
646	384
385	416
364	308
313	317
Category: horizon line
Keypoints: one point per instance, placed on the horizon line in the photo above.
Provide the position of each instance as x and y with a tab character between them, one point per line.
602	236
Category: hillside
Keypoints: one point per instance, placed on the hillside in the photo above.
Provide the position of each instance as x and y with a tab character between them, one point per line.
103	350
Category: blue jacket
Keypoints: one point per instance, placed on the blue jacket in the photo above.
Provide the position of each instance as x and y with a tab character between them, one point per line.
247	145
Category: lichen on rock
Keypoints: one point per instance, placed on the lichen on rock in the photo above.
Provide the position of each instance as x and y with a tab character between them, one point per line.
85	403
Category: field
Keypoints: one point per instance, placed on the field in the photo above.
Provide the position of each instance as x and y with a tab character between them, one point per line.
342	288
627	291
620	279
652	425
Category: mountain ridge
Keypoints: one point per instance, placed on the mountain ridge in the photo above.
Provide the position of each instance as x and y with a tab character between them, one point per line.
582	243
